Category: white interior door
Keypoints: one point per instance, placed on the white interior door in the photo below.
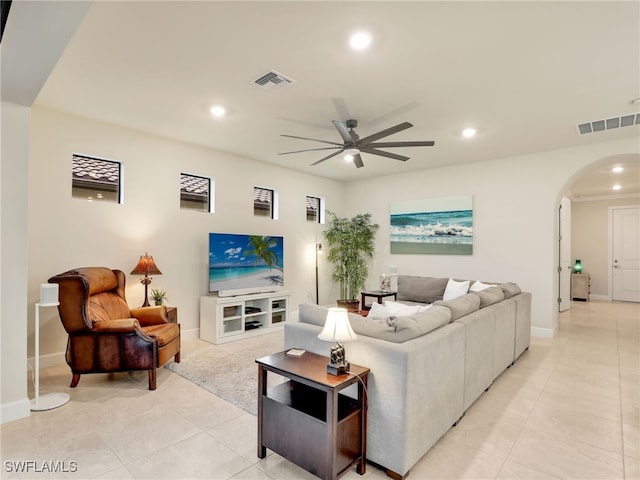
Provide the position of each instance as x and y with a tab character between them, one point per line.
564	256
626	254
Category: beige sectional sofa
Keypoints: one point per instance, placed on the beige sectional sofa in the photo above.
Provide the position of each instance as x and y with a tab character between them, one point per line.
427	367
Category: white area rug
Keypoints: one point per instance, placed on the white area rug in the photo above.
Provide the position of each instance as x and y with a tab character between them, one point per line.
229	370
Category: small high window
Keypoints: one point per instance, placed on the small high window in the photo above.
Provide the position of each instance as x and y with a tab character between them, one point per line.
195	193
315	209
265	202
95	179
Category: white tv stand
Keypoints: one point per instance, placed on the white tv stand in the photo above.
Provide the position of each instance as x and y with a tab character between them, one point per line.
226	319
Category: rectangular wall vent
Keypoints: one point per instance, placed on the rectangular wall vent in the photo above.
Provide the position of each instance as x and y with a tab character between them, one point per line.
608	124
273	80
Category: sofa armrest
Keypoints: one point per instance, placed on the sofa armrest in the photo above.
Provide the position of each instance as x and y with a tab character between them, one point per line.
150	315
121	325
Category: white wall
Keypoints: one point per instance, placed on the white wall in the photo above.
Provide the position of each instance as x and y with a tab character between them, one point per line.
13	261
515	216
515	204
590	236
65	233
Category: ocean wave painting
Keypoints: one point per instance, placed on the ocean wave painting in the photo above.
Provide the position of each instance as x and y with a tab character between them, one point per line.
432	226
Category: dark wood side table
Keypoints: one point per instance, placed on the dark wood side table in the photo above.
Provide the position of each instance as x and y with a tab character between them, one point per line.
378	295
307	420
172	314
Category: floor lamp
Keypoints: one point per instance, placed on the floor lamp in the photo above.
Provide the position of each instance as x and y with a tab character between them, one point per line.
318	252
48	298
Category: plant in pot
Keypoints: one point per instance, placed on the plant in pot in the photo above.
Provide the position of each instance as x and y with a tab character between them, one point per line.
158	296
351	246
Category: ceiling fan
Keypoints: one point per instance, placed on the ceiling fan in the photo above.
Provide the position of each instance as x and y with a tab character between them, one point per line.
353	145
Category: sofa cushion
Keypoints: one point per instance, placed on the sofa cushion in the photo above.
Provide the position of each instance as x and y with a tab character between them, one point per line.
421	289
455	289
413	326
510	289
489	296
393	329
461	306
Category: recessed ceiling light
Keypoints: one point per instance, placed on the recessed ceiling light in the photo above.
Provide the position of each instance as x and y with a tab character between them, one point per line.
469	132
360	40
218	111
616	187
617	169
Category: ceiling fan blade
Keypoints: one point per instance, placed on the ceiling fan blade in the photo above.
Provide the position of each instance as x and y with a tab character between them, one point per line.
401	144
310	150
312	139
327	157
357	161
385	133
343	131
395	156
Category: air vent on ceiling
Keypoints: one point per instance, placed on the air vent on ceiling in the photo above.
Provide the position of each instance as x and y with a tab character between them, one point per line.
273	80
609	123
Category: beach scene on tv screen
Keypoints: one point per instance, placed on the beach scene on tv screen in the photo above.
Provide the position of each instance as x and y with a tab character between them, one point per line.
245	261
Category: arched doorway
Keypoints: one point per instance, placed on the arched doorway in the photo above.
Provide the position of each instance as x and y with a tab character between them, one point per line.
592	233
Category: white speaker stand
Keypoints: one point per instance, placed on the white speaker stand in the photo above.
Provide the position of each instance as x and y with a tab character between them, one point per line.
49	400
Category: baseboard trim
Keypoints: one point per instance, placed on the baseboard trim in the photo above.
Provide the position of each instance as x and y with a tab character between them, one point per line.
15	410
601	298
543	332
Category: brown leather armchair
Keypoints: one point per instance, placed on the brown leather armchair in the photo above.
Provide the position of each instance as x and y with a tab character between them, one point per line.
104	334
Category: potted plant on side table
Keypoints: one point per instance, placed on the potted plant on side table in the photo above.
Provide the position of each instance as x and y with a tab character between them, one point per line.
351	246
158	296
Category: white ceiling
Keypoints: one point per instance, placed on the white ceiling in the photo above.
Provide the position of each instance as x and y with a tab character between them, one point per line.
523	73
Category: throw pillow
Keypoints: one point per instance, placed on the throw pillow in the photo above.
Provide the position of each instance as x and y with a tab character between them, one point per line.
398	309
378	311
455	289
478	286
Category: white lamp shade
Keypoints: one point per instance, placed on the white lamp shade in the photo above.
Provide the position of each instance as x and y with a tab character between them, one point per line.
337	327
48	294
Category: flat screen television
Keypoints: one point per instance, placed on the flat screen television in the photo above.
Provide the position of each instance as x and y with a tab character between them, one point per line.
240	264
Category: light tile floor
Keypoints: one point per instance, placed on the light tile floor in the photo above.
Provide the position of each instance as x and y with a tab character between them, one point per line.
568	409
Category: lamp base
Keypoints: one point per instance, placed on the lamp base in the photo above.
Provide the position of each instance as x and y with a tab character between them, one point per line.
49	401
333	369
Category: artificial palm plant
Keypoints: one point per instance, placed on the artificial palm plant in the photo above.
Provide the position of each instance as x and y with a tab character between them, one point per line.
351	246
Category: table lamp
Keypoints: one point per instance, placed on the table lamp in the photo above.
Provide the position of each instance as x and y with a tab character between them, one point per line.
146	266
577	267
337	329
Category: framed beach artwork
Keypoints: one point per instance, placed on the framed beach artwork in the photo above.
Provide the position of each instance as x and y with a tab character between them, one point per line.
433	226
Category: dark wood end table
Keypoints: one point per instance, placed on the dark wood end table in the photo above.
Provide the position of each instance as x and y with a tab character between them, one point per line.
378	295
307	420
172	314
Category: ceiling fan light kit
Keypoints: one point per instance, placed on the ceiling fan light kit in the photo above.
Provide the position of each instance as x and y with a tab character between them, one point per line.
353	146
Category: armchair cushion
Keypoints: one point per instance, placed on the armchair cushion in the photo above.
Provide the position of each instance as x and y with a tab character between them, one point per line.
164	334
